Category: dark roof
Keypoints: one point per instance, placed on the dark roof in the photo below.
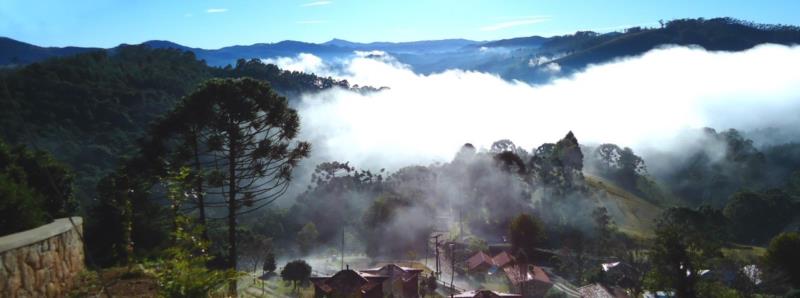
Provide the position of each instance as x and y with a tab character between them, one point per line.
348	281
484	294
393	271
479	259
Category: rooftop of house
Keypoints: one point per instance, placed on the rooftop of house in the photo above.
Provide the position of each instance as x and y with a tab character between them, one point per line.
524	273
392	267
484	294
597	290
479	259
348	281
502	259
393	271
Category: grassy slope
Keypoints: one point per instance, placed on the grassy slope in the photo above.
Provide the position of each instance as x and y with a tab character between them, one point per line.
636	216
632	214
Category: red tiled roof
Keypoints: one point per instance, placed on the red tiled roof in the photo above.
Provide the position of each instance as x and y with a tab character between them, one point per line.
479	259
534	273
502	259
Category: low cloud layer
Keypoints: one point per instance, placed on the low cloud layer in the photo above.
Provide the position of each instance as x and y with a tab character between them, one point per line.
642	102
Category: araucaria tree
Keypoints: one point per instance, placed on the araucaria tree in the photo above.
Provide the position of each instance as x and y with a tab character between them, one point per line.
240	145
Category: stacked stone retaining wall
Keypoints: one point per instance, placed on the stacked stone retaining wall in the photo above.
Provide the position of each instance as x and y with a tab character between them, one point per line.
42	262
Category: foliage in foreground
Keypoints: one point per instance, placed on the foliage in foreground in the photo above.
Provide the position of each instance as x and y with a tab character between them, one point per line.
183	271
783	254
34	189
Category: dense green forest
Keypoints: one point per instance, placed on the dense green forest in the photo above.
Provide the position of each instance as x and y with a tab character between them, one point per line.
574	52
90	109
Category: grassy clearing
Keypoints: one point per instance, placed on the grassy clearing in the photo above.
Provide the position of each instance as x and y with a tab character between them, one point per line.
743	252
634	216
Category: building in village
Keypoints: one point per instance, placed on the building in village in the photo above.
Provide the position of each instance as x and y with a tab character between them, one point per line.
479	263
528	280
597	290
503	259
401	281
484	294
387	281
349	283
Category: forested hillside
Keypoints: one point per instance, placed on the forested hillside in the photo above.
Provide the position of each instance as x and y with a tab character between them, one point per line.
88	110
574	52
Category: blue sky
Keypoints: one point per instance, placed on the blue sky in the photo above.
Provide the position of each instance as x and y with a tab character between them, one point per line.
217	23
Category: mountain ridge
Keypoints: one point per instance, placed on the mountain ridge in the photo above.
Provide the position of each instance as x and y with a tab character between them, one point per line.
522	58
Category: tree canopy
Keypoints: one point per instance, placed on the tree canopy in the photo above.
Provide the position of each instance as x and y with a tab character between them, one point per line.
296	271
526	234
783	254
34	189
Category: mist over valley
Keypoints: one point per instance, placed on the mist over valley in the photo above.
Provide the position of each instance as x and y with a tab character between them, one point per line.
651	160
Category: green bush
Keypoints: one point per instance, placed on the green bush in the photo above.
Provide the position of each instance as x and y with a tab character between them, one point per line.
183	271
20	207
34	189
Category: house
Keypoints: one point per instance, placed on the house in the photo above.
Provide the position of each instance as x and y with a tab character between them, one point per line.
528	280
349	283
484	294
597	290
479	263
401	281
503	259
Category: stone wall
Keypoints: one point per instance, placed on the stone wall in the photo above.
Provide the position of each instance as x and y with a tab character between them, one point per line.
42	262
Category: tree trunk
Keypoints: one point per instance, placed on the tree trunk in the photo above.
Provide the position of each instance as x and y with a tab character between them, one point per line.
232	208
199	186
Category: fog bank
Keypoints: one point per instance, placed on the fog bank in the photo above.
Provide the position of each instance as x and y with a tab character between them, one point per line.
645	102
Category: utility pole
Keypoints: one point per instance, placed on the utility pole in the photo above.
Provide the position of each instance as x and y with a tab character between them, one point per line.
436	243
460	224
452	270
342	256
426	252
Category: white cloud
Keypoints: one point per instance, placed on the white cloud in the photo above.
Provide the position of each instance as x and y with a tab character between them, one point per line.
304	62
515	23
641	101
216	10
316	3
552	68
541	60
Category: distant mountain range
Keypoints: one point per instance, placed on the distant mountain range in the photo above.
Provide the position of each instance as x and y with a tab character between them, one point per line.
13	52
523	58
